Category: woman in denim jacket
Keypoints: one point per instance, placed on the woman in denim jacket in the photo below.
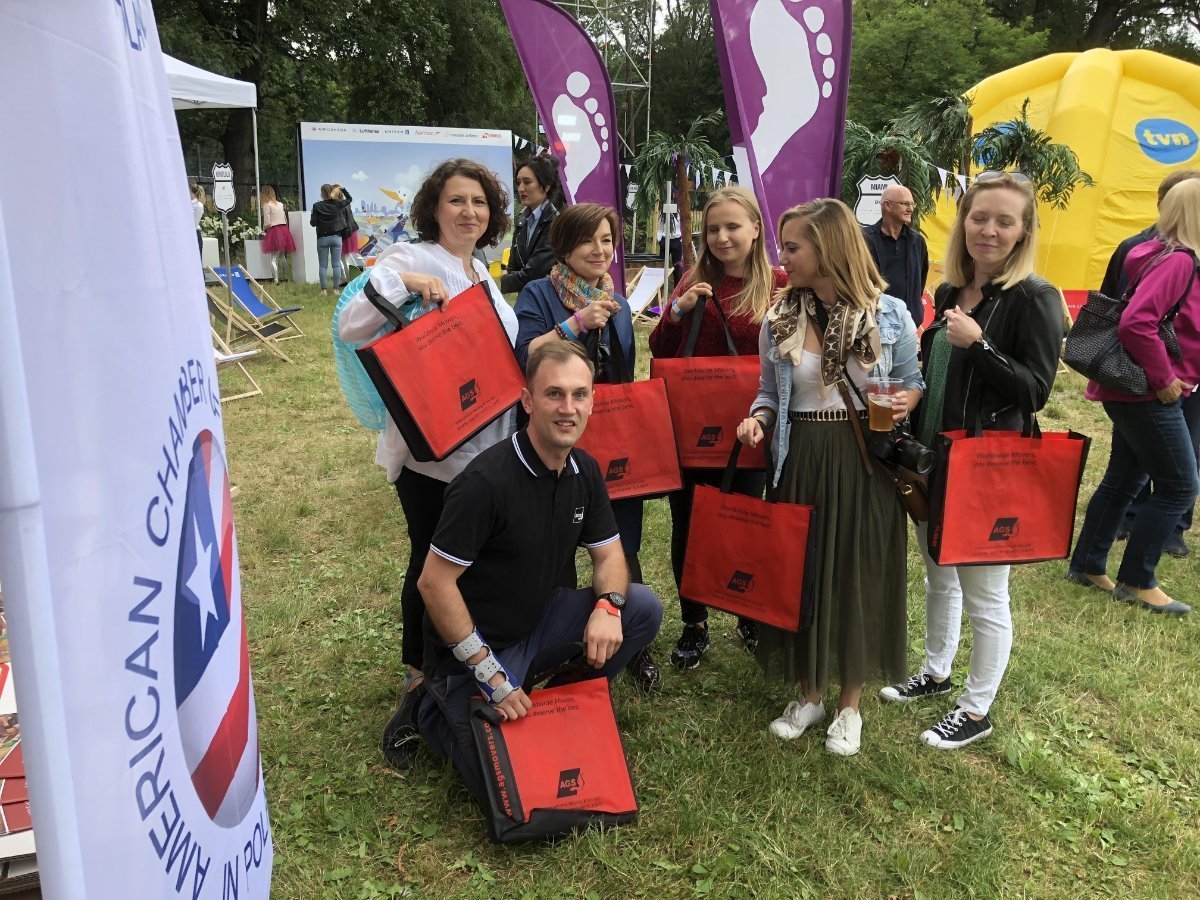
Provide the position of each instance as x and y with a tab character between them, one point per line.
834	320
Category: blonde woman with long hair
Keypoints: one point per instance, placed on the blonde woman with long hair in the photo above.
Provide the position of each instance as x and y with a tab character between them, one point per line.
834	322
733	272
991	350
278	240
1154	436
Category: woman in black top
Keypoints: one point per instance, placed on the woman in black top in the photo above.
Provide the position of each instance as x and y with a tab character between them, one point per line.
328	216
531	257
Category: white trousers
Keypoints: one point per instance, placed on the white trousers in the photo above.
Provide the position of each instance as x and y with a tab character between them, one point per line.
983	590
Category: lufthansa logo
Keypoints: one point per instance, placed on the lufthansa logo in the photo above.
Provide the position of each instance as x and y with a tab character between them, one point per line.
1166	141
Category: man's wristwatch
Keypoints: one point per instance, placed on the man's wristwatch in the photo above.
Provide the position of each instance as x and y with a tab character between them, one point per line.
612	603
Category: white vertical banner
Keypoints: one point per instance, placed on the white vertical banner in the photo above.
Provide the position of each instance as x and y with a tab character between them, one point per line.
123	593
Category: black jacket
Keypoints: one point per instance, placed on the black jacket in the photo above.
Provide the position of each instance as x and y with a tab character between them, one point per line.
1014	363
917	266
329	216
1115	280
524	267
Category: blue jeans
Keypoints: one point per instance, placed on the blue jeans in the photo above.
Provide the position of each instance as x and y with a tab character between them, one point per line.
444	715
329	255
1150	440
1191	414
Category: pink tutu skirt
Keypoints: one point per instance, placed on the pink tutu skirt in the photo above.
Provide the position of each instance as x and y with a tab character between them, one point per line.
278	240
350	244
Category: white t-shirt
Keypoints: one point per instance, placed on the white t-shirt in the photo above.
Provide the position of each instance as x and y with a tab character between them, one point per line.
197	211
809	393
360	321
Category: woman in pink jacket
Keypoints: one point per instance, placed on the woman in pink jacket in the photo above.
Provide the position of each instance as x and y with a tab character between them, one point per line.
1154	436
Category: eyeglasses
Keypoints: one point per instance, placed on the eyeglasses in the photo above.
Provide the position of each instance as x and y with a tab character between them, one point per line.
1018	177
906	204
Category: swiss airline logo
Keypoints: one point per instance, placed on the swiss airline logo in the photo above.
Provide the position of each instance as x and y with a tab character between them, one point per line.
468	394
617	469
742	582
710	436
1005	529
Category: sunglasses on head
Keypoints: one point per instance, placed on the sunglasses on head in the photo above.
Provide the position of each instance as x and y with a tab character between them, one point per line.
1018	177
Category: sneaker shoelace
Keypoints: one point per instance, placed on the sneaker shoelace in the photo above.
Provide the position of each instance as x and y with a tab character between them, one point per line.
951	723
915	682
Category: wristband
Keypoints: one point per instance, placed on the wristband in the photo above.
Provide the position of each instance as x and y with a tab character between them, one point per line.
608	608
579	322
676	310
561	330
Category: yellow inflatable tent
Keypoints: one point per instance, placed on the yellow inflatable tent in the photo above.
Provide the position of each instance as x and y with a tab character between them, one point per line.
1131	116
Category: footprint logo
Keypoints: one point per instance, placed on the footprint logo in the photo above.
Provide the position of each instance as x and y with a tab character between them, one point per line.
797	70
582	130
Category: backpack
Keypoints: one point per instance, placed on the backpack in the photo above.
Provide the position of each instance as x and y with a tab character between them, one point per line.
362	398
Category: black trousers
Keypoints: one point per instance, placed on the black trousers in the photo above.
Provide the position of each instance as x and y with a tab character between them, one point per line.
750	484
421	498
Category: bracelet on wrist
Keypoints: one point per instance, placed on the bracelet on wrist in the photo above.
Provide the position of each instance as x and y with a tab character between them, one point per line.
561	330
676	309
579	322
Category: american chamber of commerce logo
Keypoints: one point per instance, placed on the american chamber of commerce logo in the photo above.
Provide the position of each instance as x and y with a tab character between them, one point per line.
570	783
1166	141
710	436
212	669
468	394
1005	529
617	469
188	713
741	582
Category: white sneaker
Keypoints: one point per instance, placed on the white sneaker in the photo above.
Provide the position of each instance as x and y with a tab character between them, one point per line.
797	718
845	734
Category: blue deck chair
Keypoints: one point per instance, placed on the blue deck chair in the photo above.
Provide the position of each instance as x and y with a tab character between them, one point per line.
258	304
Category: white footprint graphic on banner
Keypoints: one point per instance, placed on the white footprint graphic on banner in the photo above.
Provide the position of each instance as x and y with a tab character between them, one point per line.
582	130
796	78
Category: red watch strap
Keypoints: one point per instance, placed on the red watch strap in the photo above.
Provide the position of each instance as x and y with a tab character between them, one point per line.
608	608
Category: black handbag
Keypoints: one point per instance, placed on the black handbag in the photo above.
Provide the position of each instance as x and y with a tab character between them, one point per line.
1094	349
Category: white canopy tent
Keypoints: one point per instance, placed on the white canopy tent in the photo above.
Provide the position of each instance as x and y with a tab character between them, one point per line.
194	88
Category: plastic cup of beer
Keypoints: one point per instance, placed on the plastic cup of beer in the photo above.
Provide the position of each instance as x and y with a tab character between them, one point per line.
880	392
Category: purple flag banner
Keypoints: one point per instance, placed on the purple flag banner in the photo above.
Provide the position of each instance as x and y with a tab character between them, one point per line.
785	67
574	97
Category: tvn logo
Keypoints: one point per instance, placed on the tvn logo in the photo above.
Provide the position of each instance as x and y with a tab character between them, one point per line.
570	783
741	582
1004	529
1166	141
617	469
710	436
468	394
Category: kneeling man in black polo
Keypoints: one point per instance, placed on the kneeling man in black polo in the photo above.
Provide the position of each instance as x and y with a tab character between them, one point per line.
510	525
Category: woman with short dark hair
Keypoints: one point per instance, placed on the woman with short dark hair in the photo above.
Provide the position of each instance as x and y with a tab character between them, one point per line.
460	208
530	256
577	302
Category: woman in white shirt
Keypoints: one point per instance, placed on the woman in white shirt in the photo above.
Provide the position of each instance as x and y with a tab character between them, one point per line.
198	213
460	208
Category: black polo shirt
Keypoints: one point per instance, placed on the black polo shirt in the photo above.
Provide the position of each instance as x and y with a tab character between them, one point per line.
515	525
893	265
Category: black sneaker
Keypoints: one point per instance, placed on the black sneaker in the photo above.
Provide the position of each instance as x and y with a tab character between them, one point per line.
690	647
748	631
643	671
918	687
401	740
956	730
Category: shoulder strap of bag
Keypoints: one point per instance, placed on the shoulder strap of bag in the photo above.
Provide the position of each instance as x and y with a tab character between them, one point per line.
383	305
1170	316
695	317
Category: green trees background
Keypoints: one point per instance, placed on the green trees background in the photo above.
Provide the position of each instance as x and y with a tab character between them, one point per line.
452	62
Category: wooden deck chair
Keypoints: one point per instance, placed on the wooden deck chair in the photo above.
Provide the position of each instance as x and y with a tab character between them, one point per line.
226	357
239	333
255	302
643	290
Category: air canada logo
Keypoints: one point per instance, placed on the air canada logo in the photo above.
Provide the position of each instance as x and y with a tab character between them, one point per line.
468	394
570	783
617	469
742	582
710	436
212	672
1004	529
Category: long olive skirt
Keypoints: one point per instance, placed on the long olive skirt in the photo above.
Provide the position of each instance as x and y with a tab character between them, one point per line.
858	632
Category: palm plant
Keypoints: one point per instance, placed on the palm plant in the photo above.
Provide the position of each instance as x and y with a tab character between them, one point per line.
1053	168
942	125
664	158
884	153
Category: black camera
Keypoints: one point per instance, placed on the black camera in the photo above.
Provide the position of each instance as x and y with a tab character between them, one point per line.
899	448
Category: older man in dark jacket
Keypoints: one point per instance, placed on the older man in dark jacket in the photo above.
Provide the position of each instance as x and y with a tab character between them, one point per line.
899	250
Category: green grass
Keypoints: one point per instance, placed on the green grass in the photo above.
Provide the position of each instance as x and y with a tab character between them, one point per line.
1090	785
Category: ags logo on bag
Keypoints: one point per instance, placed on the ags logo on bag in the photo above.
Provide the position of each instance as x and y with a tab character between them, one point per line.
569	783
468	394
742	582
1004	529
709	436
617	469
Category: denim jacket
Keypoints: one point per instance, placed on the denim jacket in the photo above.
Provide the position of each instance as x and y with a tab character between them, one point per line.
897	359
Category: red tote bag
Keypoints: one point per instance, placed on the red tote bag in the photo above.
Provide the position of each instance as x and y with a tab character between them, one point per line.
1003	497
710	395
445	376
558	769
629	434
748	556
